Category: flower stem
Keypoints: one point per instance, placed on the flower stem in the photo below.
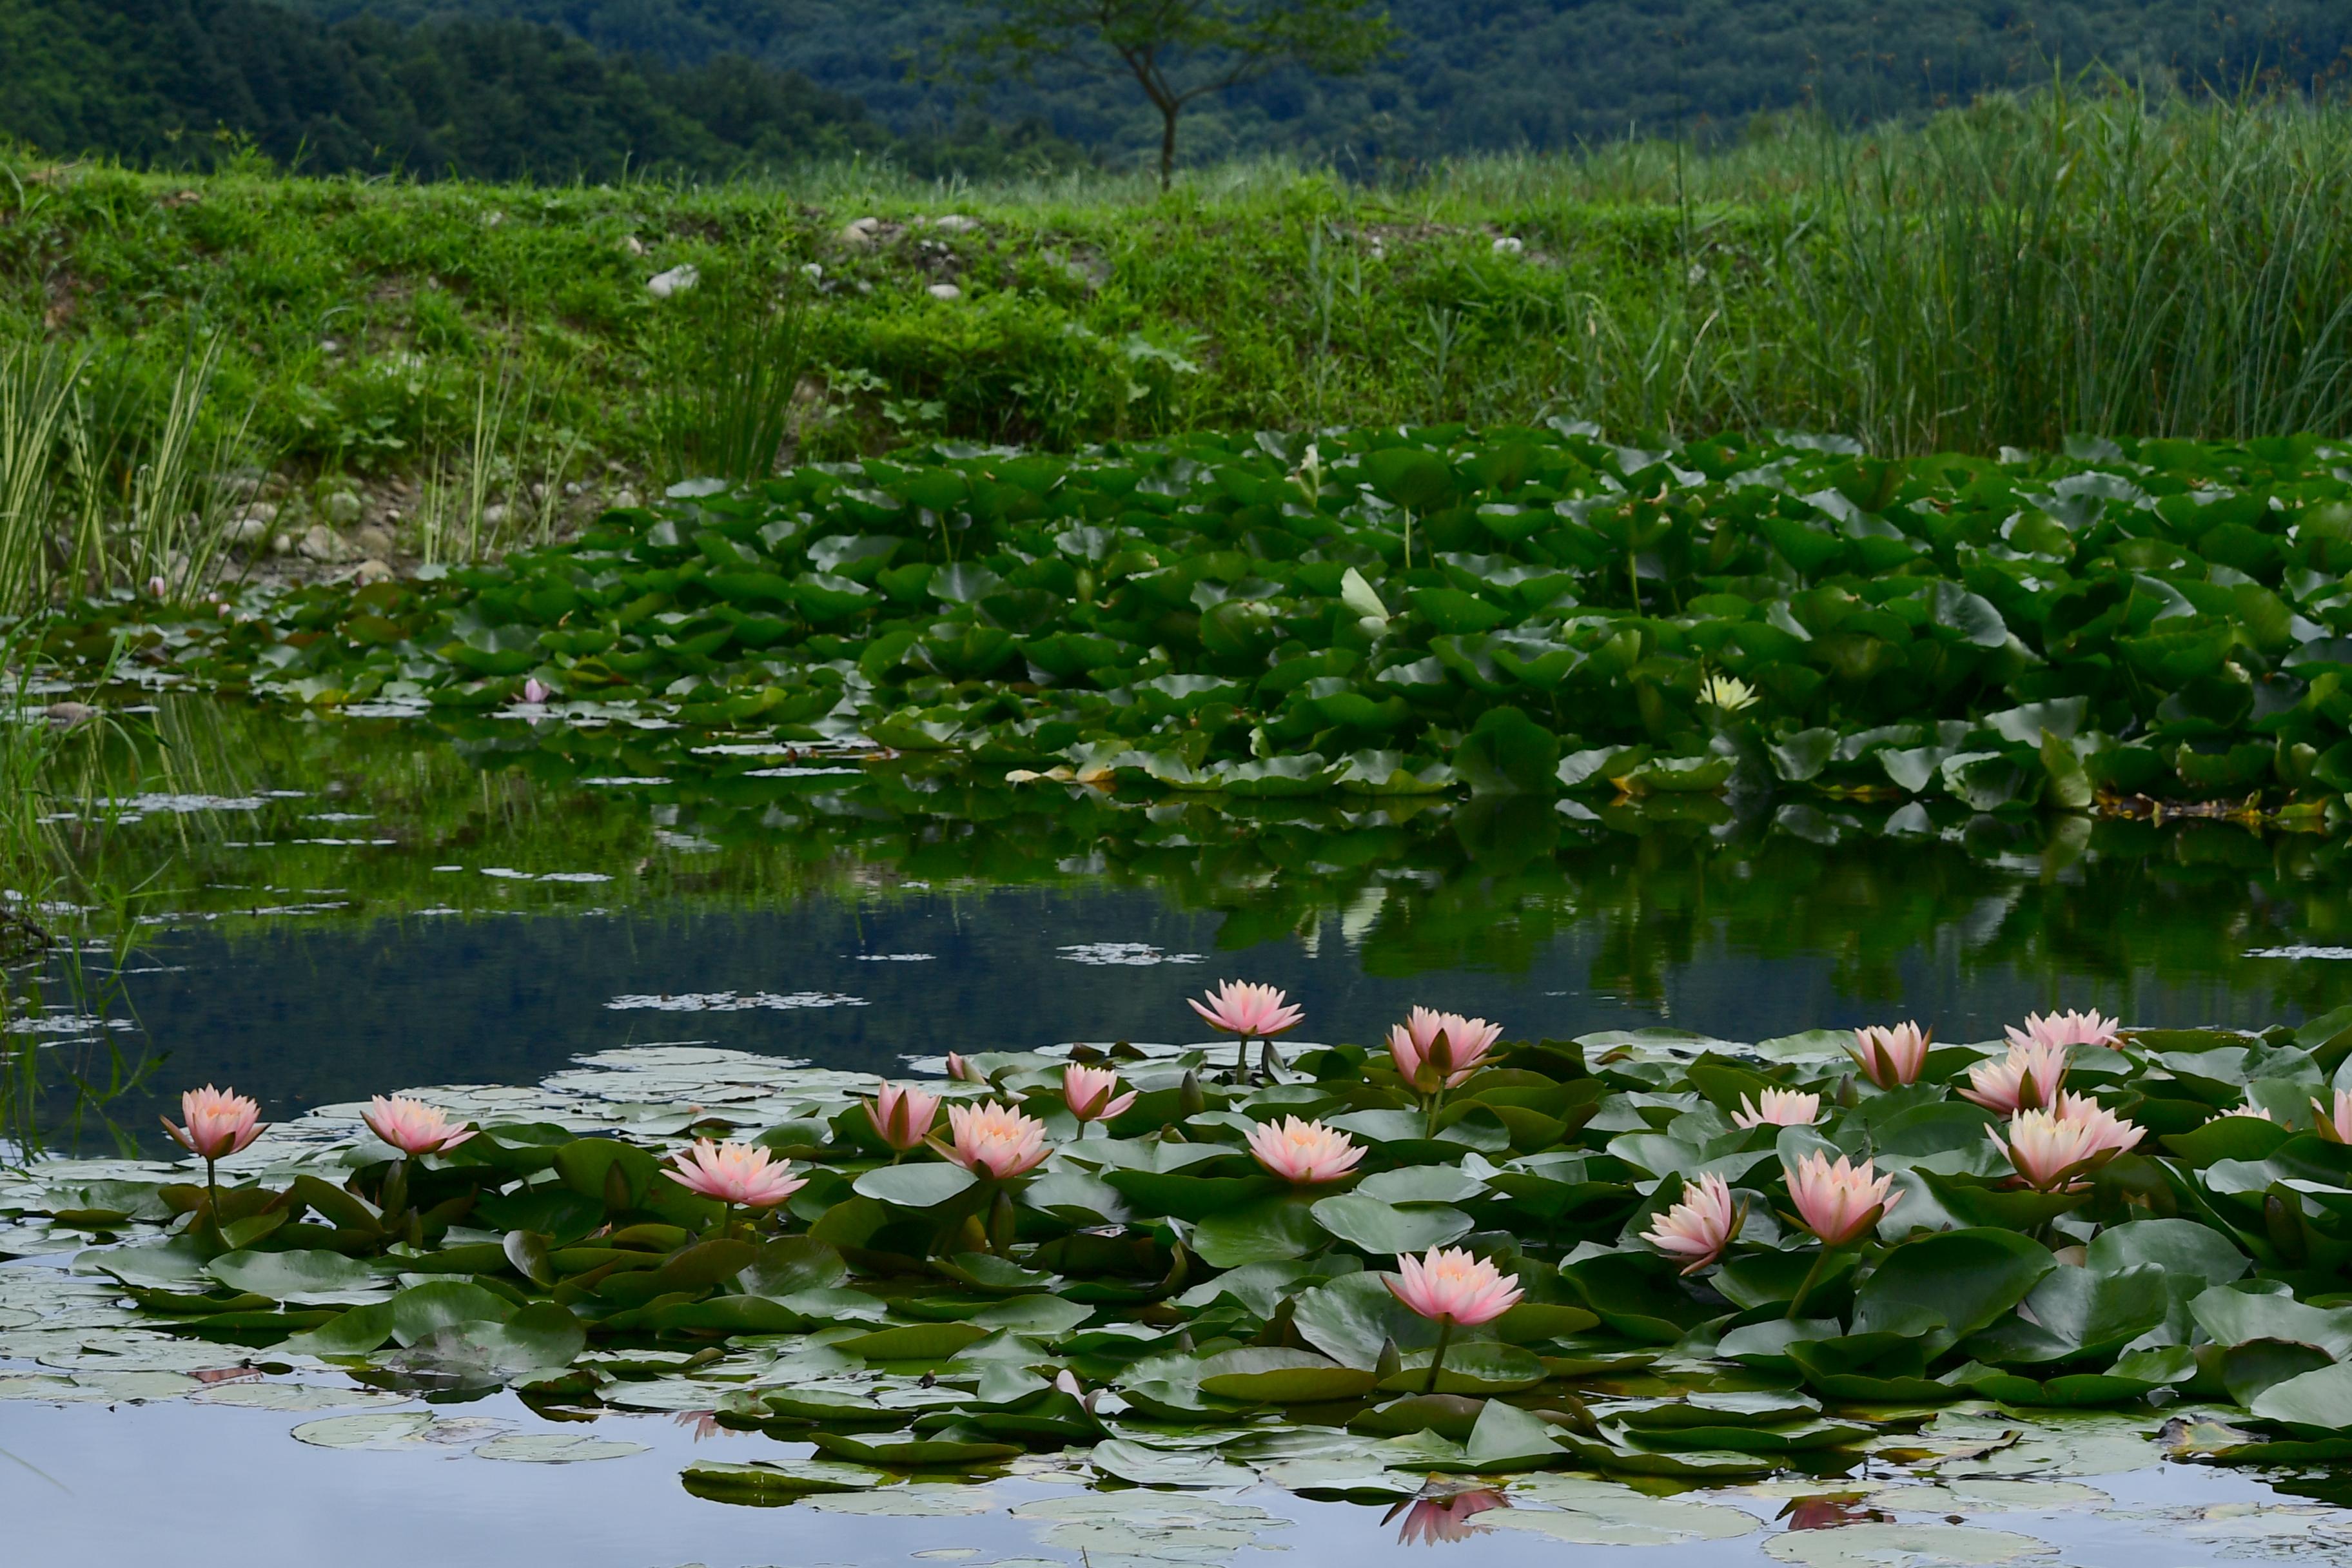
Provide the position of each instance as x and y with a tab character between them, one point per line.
212	1185
1813	1277
1437	1356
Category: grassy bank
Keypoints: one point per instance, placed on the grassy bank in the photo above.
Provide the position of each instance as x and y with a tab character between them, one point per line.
467	356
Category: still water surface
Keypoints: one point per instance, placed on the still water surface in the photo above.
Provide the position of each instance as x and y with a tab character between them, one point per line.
330	911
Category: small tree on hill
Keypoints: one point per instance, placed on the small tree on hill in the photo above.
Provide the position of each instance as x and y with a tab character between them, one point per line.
1177	50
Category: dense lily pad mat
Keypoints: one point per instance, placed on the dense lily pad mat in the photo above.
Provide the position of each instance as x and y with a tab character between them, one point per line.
1151	1306
1516	610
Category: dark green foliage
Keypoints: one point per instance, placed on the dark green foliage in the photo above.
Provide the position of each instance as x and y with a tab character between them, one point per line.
1527	609
187	82
1524	73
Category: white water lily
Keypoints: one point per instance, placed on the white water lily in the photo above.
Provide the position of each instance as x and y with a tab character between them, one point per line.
1726	693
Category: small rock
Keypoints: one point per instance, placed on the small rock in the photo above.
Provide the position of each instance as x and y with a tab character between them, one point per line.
374	540
676	281
633	246
812	271
944	291
321	543
342	508
247	530
625	498
1508	245
331	345
861	234
494	515
371	571
955	223
492	219
66	715
282	544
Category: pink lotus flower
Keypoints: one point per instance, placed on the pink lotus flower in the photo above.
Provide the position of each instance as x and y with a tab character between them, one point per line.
536	691
735	1174
1838	1203
2065	1029
2336	1126
2055	1148
1450	1285
1307	1152
1087	1092
2250	1110
1253	1012
2027	1079
1429	1520
1891	1057
1440	1051
963	1071
412	1126
1779	1108
220	1122
1701	1226
903	1117
993	1140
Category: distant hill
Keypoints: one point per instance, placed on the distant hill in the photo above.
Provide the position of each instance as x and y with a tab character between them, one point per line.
497	89
1494	74
483	96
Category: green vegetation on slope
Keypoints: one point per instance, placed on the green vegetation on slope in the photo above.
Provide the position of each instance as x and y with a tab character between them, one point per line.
2001	276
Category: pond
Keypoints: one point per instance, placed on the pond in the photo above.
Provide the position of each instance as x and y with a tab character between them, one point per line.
328	910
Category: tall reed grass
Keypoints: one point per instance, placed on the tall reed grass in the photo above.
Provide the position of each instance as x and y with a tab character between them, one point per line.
97	491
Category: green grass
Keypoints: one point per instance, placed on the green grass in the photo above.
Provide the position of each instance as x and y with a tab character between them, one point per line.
2004	276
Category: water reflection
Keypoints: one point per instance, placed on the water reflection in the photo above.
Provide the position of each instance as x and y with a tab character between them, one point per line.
337	908
1435	1521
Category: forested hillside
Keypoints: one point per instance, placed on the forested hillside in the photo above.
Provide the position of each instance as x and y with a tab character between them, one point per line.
186	82
498	89
1489	74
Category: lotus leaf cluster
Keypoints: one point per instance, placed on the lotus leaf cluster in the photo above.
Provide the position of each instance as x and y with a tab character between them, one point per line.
1399	612
1604	1254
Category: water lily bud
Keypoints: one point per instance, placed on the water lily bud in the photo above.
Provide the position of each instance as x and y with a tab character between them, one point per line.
1389	1363
1190	1099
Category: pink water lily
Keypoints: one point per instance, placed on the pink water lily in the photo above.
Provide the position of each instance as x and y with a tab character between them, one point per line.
1841	1202
735	1174
535	691
1251	1011
219	1122
1453	1286
2056	1028
1307	1152
412	1126
1779	1108
902	1116
963	1071
1453	1289
2056	1147
1087	1092
994	1140
2028	1079
2336	1126
1891	1056
1434	1051
1701	1226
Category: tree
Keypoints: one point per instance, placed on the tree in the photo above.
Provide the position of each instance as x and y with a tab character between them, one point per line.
1177	50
